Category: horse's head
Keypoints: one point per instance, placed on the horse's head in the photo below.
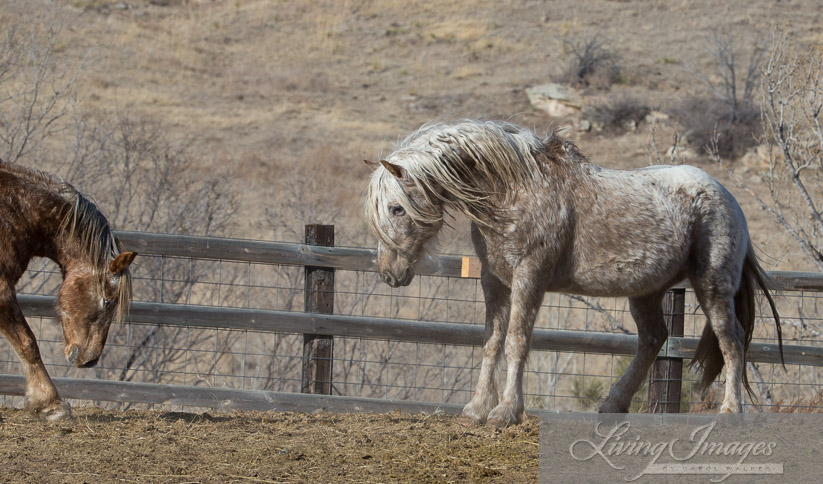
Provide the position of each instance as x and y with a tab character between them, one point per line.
88	302
404	214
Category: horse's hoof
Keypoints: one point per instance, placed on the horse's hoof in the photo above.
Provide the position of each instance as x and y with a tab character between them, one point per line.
479	408
497	422
55	412
468	421
504	417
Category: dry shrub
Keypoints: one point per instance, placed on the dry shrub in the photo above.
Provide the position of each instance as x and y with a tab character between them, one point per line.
813	404
620	113
591	64
727	115
709	403
702	119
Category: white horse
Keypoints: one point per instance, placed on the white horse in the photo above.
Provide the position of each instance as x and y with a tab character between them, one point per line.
544	218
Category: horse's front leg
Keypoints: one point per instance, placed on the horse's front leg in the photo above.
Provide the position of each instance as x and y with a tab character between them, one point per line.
526	295
41	395
498	303
651	334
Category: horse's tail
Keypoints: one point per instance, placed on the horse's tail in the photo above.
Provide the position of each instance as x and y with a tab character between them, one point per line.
707	355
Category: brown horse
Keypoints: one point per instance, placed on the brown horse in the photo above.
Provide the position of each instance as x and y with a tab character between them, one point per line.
42	216
544	218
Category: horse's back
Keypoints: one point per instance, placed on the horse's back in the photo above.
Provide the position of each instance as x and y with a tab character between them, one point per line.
713	204
638	230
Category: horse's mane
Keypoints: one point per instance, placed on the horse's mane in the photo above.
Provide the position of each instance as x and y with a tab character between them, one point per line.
464	164
83	224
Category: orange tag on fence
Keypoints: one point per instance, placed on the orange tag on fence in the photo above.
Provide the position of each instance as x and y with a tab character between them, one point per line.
470	267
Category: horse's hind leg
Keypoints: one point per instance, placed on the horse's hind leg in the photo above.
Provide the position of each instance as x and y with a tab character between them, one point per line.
498	304
720	314
647	312
41	395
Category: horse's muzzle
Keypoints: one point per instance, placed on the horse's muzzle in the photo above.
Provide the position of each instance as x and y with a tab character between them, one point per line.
72	355
401	280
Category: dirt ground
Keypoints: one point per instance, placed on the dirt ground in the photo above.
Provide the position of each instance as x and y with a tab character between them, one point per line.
175	447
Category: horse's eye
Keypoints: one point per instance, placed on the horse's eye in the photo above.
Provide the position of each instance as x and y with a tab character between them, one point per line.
397	210
107	303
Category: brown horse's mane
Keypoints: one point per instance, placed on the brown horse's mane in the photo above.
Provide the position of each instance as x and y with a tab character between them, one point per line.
83	224
32	175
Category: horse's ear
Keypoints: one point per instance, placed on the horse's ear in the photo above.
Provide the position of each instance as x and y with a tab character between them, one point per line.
396	170
122	262
371	164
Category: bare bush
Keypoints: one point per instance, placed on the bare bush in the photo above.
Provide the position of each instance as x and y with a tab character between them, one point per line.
37	91
620	113
791	100
674	154
148	180
723	51
727	113
591	63
703	120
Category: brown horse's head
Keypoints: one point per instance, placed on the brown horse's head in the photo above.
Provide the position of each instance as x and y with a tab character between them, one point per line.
88	302
404	216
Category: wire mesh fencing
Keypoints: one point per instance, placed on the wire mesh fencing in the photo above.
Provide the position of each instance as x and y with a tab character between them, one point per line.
247	359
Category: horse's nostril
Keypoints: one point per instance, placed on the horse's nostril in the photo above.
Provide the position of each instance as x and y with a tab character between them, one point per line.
72	355
389	279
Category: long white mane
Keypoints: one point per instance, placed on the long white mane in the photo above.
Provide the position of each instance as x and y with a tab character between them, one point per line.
462	164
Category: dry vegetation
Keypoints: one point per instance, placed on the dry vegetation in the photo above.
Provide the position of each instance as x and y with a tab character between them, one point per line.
273	91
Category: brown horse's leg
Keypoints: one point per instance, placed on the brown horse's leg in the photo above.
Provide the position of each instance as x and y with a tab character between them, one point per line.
526	295
41	395
647	312
498	301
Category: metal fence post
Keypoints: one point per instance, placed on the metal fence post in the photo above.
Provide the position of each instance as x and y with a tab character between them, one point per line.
319	298
666	375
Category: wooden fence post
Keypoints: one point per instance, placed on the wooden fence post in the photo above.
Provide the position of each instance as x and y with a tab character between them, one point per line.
666	374
319	298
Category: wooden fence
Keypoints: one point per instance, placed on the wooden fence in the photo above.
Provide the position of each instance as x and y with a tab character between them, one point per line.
319	320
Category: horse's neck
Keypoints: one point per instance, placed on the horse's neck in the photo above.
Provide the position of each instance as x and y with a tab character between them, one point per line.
42	214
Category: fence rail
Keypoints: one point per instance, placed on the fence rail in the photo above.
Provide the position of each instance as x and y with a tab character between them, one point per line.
411	331
220	398
345	326
348	258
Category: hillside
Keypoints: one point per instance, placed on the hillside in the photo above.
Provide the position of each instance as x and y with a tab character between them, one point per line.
290	97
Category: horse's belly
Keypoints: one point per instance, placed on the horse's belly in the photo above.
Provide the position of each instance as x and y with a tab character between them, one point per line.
628	276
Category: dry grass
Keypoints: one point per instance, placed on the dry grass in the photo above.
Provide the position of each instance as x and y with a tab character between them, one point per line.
812	404
263	86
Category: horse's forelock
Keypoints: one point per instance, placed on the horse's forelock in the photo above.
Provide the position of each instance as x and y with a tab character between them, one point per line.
385	187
